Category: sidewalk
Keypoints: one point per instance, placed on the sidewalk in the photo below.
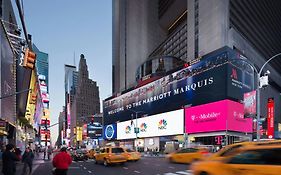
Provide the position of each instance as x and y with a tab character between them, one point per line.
36	162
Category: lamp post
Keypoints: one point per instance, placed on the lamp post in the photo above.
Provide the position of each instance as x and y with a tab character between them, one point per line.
136	128
258	88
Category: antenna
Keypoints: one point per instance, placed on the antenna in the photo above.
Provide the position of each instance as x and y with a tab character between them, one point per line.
74	59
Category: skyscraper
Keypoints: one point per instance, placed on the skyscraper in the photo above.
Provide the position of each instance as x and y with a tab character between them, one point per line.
87	96
70	86
190	29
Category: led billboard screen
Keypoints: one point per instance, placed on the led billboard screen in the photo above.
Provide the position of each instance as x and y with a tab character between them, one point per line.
218	116
207	81
169	123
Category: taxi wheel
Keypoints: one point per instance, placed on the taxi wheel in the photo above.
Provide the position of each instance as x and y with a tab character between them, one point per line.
105	163
203	173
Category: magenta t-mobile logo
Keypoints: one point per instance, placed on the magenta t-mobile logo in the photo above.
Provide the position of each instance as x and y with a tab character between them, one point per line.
218	140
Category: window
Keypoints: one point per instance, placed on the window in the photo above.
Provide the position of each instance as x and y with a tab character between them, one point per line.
260	157
230	151
117	150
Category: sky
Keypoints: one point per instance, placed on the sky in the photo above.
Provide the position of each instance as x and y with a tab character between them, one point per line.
65	29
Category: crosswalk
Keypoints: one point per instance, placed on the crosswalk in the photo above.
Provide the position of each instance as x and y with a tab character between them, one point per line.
186	172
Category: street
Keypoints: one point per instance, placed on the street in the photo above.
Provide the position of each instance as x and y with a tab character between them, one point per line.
145	166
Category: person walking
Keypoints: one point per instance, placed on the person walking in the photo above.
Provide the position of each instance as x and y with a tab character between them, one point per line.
9	160
50	151
61	162
27	160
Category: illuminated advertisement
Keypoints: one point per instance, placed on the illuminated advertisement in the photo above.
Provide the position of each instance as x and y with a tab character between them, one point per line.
197	84
94	130
270	118
169	123
218	116
110	132
250	104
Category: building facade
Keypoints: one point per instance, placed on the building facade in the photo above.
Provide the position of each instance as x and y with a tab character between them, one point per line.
193	30
87	96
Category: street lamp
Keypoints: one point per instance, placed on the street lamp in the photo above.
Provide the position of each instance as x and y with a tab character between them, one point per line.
136	128
258	88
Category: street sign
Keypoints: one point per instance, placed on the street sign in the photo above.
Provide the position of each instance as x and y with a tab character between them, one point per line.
137	130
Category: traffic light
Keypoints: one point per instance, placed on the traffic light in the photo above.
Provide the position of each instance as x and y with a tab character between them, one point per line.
29	59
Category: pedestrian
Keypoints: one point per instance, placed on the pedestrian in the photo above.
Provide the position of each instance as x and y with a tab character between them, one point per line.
9	160
27	160
61	162
50	151
45	152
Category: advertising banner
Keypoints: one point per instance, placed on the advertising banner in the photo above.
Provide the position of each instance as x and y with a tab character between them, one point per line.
270	118
94	130
218	116
169	123
110	132
207	81
250	104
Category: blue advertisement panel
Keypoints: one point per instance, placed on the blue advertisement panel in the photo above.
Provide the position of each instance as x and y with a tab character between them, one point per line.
110	132
204	82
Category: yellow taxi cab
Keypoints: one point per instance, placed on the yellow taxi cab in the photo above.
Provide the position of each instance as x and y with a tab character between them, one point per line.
188	155
91	153
110	155
251	160
230	150
132	155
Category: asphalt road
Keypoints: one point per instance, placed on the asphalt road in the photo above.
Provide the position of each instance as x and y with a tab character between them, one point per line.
145	166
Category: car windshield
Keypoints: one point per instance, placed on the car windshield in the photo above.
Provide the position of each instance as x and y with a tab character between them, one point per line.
117	150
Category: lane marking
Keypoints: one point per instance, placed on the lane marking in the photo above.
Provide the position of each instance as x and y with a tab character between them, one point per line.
125	168
170	174
137	172
90	172
171	167
183	172
85	168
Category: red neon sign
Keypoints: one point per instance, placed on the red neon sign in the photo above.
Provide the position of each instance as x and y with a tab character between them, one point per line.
270	118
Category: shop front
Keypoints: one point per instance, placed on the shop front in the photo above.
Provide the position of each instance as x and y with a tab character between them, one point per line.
218	123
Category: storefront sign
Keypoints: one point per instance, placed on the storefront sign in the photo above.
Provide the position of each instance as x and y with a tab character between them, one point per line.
270	118
169	123
218	116
110	132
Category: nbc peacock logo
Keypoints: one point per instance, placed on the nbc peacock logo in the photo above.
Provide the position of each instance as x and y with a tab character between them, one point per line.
128	129
162	124
143	127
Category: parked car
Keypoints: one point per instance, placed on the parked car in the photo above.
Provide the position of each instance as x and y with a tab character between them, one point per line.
251	160
80	155
188	155
110	155
132	155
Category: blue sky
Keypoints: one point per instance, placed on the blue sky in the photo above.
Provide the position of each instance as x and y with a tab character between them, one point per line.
63	27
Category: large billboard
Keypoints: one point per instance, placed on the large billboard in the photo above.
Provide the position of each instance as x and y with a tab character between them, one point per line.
169	123
94	128
225	115
204	82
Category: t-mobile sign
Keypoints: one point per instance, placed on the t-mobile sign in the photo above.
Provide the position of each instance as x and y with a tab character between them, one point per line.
218	116
270	118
